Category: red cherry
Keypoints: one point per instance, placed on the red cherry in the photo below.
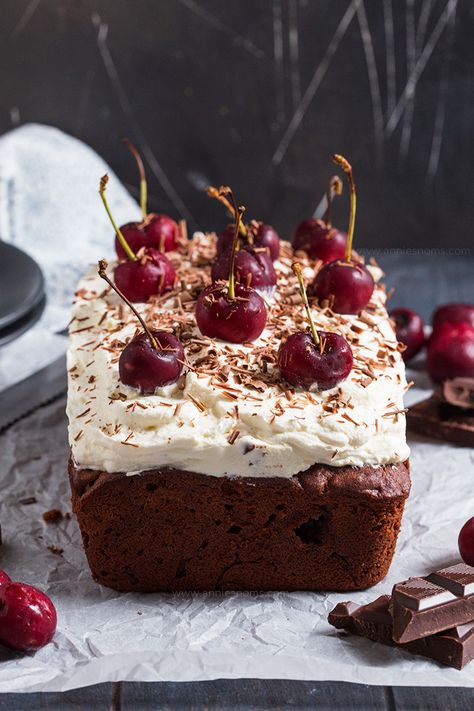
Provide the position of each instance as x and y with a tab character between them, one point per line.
255	234
4	578
466	542
225	240
152	359
265	236
151	274
233	311
318	238
319	358
157	231
27	617
451	352
162	232
409	330
252	267
259	235
348	284
238	319
320	241
146	273
302	364
145	367
453	313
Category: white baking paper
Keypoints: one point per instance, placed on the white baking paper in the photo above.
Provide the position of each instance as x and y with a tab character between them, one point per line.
106	636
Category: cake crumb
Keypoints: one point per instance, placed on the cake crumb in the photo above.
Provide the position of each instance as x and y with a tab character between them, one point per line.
55	550
53	516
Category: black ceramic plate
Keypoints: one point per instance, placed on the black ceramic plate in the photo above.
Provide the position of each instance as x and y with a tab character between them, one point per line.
21	285
9	333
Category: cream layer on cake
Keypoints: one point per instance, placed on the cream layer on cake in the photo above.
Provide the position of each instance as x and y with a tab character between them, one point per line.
230	413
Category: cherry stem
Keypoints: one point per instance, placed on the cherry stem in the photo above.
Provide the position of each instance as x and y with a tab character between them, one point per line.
125	246
141	170
334	188
297	272
103	274
239	211
347	168
220	195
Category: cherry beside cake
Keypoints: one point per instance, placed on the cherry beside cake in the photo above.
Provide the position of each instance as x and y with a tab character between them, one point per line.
235	474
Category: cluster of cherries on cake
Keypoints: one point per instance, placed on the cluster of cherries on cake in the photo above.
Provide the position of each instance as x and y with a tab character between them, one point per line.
27	616
232	308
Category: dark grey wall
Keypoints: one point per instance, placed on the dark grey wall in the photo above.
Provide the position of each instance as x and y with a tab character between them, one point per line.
259	94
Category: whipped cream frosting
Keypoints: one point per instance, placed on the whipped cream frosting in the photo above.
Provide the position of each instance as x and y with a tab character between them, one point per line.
230	413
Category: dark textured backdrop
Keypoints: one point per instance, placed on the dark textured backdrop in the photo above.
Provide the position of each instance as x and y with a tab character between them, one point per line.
259	94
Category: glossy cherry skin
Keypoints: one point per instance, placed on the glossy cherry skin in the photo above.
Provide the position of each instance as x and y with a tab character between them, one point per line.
234	320
451	352
265	236
157	231
253	267
261	235
348	284
146	368
453	313
302	364
320	241
27	617
152	274
466	542
409	330
4	578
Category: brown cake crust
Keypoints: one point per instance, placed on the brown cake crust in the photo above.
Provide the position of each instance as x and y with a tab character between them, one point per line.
166	530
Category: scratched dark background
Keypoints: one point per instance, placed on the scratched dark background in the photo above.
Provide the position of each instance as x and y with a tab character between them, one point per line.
259	95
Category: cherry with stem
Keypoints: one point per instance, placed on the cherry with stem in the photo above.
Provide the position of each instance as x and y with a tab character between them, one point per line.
158	231
320	358
345	283
141	275
249	264
318	238
230	310
256	233
152	358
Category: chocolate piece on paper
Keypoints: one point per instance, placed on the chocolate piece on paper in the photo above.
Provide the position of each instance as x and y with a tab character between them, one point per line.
421	607
458	392
453	647
457	578
440	420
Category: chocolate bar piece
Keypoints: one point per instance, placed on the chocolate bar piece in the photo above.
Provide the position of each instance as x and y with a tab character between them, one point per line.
458	392
453	647
440	420
420	607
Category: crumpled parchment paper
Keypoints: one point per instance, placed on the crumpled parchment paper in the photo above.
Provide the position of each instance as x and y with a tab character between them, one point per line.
106	636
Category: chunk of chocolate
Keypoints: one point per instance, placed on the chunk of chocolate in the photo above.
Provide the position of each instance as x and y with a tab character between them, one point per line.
458	392
459	579
453	647
421	607
440	420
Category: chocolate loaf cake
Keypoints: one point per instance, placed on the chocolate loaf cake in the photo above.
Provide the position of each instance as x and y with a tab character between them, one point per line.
229	479
327	528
